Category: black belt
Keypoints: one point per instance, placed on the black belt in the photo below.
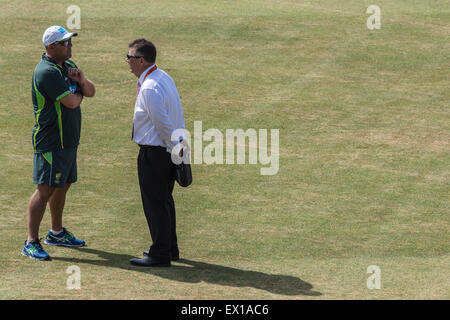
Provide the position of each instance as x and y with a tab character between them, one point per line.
142	146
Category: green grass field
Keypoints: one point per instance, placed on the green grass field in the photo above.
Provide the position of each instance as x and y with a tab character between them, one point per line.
364	150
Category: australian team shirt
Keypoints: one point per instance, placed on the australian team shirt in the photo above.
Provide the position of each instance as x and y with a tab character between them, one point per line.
56	127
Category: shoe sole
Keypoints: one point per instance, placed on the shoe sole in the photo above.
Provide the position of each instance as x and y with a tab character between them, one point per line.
145	254
34	258
64	244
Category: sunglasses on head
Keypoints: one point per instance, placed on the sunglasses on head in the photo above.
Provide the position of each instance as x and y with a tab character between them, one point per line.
64	43
135	57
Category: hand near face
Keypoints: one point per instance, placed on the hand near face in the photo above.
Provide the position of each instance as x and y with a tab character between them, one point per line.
76	75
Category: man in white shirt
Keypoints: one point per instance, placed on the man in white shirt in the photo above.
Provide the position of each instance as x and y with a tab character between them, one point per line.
157	114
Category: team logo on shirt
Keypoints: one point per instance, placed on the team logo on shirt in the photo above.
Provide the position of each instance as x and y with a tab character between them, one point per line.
73	88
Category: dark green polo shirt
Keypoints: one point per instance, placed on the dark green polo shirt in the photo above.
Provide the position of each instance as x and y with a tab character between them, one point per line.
56	127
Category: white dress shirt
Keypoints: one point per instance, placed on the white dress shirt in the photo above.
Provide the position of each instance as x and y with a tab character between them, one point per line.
157	112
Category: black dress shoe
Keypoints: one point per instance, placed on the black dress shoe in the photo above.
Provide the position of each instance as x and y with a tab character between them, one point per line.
149	262
172	258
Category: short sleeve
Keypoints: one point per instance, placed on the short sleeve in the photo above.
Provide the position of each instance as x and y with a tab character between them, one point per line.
51	83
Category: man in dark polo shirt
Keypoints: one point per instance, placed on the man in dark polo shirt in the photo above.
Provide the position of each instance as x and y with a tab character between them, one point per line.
58	87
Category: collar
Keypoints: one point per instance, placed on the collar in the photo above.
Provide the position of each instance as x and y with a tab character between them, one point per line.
141	77
47	58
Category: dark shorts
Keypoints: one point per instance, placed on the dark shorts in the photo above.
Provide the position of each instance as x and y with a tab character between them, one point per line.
56	168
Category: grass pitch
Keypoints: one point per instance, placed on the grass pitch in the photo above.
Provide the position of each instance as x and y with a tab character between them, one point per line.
364	150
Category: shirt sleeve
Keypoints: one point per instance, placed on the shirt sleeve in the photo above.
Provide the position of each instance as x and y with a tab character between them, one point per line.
154	103
51	83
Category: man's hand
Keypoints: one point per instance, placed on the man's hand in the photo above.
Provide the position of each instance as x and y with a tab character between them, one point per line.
76	74
87	87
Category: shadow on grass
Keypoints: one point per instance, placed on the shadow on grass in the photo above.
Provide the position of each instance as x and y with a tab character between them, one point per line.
190	271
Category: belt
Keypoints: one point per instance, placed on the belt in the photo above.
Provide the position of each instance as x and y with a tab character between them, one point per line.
142	146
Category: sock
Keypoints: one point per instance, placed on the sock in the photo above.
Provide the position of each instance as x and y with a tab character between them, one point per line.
56	233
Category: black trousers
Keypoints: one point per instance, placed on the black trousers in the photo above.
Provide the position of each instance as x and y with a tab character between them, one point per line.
156	173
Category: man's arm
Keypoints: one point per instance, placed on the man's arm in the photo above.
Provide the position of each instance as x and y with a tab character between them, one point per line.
72	100
87	86
160	118
51	83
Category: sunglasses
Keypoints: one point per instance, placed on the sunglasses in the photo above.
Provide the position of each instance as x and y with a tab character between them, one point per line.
64	43
135	57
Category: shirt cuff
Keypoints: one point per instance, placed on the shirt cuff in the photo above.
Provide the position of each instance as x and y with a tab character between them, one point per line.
63	95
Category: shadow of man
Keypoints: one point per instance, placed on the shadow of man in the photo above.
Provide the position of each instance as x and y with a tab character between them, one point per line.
190	271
